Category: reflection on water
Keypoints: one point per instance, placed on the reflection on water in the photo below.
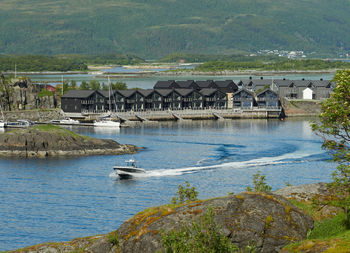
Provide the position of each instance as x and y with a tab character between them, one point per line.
106	130
59	199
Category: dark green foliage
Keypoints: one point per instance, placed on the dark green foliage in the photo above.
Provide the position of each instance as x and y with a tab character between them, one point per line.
94	85
6	92
202	236
334	128
259	183
273	64
156	28
327	228
45	93
113	238
185	193
84	85
39	63
119	86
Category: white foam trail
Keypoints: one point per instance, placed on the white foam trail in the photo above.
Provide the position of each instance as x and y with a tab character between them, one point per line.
244	164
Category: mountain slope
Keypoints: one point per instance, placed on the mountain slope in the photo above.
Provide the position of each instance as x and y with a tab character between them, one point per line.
156	28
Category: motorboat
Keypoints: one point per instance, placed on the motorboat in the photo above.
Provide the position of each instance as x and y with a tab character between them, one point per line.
67	121
20	123
129	170
106	123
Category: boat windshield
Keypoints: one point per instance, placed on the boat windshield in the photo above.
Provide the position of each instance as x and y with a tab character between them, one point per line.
131	163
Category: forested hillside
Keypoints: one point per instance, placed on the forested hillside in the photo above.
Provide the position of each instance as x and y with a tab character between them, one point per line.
155	28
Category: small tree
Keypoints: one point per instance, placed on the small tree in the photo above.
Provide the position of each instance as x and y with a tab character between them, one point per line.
119	86
259	183
334	128
185	194
84	86
73	85
94	85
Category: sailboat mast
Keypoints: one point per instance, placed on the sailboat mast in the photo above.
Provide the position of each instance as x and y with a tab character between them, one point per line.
62	84
109	95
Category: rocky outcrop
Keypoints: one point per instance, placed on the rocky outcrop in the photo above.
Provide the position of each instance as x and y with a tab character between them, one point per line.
318	192
304	192
34	115
56	141
266	221
22	94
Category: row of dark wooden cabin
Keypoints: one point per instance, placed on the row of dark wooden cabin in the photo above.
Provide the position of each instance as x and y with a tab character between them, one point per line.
297	89
249	93
126	100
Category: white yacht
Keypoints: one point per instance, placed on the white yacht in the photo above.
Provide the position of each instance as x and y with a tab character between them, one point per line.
106	123
129	170
67	121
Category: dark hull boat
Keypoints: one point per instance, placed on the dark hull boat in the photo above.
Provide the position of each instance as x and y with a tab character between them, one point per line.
129	170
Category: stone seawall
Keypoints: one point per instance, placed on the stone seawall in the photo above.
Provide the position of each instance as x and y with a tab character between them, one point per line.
34	115
301	107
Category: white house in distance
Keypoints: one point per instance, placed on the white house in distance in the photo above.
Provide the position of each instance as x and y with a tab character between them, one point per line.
308	93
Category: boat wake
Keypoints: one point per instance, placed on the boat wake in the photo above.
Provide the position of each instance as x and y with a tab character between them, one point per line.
295	157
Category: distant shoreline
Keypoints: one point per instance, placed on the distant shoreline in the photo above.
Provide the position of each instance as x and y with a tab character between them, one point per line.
148	73
248	72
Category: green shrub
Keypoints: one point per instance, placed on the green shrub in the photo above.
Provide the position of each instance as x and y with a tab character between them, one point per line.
45	93
185	193
113	238
259	183
202	236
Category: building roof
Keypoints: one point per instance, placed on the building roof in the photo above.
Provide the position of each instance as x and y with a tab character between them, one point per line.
206	84
105	93
165	84
262	92
302	83
184	92
224	84
127	93
283	82
186	84
246	82
207	91
245	90
164	92
146	92
321	83
262	82
78	94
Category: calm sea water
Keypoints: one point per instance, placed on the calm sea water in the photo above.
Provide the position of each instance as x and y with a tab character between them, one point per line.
45	200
